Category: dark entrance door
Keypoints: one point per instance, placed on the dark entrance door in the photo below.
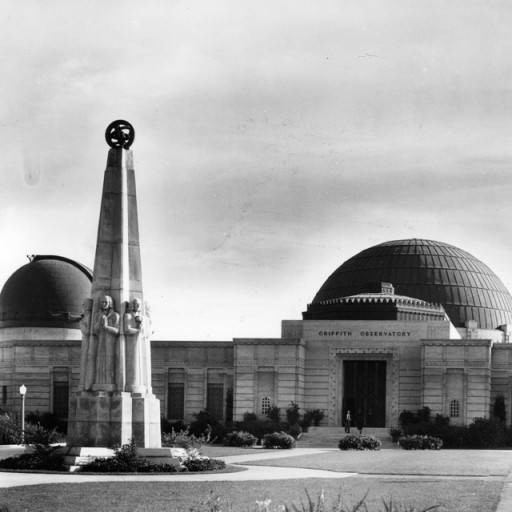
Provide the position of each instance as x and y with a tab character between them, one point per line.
364	392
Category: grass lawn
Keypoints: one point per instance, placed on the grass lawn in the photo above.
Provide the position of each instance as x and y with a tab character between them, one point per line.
469	495
414	462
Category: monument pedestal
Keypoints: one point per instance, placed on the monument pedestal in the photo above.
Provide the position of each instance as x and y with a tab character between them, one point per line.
103	418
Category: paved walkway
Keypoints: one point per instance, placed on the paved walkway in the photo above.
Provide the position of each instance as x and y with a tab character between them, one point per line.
14	479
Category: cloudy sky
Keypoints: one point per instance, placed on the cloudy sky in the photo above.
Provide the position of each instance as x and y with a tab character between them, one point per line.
273	141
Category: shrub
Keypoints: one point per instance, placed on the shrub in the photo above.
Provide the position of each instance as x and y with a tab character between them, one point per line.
206	425
306	421
278	440
274	414
294	430
184	439
486	433
167	426
39	435
43	457
317	415
370	443
243	439
204	464
355	442
350	442
10	431
292	413
48	420
418	442
257	427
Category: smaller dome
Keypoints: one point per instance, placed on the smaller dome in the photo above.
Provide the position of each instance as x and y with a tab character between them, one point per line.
47	292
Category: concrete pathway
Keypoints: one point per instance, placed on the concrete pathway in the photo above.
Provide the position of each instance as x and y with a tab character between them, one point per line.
505	504
15	479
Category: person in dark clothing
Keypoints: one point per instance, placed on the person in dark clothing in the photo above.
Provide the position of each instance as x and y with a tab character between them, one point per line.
348	421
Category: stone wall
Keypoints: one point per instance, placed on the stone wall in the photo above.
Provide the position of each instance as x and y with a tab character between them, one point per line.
270	368
457	370
199	363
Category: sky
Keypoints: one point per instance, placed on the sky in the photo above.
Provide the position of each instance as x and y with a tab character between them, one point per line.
273	141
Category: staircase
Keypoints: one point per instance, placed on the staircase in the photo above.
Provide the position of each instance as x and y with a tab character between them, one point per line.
328	437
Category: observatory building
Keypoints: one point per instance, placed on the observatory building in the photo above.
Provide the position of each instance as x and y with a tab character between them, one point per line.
401	325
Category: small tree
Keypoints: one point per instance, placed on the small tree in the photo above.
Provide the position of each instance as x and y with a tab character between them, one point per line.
292	413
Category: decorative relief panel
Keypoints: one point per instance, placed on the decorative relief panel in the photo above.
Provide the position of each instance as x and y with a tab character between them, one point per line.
338	354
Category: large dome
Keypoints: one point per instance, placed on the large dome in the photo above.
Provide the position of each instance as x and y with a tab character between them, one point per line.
432	271
47	292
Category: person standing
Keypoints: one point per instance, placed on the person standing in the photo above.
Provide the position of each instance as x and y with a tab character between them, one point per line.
348	420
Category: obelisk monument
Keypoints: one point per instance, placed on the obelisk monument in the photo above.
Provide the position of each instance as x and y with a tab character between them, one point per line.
115	402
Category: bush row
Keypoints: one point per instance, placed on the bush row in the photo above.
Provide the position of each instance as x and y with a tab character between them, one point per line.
481	433
208	429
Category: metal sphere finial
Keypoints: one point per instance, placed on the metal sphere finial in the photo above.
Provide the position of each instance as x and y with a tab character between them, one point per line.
120	134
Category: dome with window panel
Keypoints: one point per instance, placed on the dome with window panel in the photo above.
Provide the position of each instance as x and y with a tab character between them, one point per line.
435	272
46	292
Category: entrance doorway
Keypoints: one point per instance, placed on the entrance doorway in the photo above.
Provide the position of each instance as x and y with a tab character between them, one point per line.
364	392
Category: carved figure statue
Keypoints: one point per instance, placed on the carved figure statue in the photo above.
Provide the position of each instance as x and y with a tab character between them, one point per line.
133	324
85	327
106	328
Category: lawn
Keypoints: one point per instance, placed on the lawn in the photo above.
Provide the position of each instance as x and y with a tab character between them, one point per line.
469	495
394	462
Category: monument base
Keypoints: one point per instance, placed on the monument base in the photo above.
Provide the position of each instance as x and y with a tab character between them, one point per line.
77	456
106	419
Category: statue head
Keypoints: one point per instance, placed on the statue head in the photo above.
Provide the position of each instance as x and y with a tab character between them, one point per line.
106	303
136	305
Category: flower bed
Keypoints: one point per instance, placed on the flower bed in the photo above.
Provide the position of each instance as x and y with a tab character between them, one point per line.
126	460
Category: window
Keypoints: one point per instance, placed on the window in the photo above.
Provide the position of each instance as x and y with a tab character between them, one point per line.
454	409
176	401
60	399
266	404
4	395
215	400
60	395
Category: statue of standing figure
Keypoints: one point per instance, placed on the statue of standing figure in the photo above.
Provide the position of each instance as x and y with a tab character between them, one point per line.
106	329
133	326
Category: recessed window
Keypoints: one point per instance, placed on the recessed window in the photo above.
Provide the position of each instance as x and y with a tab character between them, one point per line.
266	404
4	395
454	409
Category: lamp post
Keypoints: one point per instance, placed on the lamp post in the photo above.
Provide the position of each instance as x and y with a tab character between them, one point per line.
23	391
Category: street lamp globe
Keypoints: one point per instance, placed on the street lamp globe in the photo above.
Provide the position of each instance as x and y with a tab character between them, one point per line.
23	390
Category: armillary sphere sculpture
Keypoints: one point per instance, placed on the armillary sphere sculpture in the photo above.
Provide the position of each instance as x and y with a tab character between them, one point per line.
120	134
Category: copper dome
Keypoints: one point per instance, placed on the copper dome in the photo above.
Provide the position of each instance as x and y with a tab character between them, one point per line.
428	270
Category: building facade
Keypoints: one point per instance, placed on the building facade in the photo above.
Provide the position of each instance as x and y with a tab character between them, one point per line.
401	325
